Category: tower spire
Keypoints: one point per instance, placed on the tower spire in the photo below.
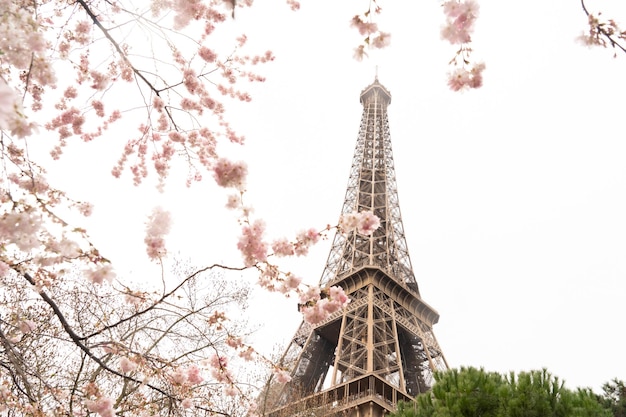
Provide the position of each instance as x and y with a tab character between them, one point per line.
380	349
372	186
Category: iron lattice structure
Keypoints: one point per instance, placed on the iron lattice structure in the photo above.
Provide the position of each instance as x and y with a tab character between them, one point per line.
381	348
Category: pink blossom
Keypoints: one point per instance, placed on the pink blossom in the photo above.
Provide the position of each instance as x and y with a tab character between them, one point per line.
312	293
348	222
315	313
364	222
103	406
21	229
292	282
27	326
316	307
461	15
458	79
4	269
158	103
233	342
328	306
126	365
186	403
368	223
230	390
282	376
359	53
337	295
193	375
157	227
176	137
247	354
134	298
219	369
382	40
295	5
268	277
251	243
233	201
81	31
10	107
304	240
218	362
85	209
100	274
455	8
364	28
98	106
462	78
190	80
178	376
282	247
230	174
207	54
100	81
70	92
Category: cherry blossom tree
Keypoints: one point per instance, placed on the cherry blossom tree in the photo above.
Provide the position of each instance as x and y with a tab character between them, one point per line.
75	337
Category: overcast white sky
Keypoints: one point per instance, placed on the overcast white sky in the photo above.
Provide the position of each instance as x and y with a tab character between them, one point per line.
513	196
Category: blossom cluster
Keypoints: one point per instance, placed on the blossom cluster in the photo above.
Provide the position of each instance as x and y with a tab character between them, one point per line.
219	369
23	48
157	227
282	376
463	77
459	25
317	305
374	37
186	375
460	18
230	174
304	240
103	406
12	117
251	244
364	222
603	33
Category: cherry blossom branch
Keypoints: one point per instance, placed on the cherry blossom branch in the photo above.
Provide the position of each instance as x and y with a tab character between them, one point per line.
460	18
610	30
374	37
124	56
113	42
161	299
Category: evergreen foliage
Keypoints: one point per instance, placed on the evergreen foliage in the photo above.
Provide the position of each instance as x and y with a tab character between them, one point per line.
614	397
472	392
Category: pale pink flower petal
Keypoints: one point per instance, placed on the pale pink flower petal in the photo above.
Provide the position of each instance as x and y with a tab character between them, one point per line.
230	174
101	274
367	223
251	243
157	227
126	365
282	376
27	326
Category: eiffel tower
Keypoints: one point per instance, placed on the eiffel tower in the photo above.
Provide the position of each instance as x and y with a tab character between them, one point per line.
381	348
